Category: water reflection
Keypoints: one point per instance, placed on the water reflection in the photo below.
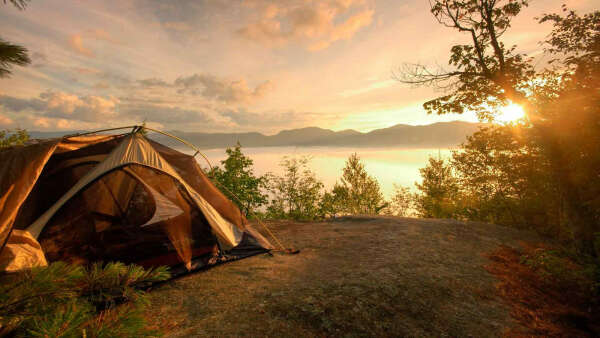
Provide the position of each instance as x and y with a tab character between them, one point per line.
388	166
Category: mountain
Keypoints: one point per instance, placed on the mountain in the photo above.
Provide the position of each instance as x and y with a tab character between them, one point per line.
441	134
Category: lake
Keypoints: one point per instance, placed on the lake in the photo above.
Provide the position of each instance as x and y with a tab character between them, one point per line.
388	166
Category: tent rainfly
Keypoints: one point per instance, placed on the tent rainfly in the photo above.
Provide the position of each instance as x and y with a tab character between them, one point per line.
115	198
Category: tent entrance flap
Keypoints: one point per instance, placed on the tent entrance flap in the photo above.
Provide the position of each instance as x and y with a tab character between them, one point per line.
117	218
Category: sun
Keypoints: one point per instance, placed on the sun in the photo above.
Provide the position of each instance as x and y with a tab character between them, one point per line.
510	113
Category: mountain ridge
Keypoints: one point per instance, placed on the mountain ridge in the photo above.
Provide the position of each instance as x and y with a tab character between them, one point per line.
439	134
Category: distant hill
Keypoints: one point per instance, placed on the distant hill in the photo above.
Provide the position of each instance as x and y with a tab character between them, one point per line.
441	134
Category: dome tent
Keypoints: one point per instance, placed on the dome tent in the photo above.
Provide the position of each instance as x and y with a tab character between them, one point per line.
115	198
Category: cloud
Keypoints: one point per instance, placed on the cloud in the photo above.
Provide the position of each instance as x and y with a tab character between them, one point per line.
316	24
345	30
77	45
5	121
17	105
153	82
218	89
166	114
248	120
88	108
39	59
101	85
368	88
178	26
86	70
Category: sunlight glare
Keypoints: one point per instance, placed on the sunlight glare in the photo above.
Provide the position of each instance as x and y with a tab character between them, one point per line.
510	113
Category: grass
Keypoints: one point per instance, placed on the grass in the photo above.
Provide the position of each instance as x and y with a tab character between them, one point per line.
359	276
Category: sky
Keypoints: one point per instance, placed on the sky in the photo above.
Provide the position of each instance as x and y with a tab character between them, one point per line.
232	65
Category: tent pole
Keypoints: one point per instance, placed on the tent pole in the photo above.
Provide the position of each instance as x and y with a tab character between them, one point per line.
182	141
96	131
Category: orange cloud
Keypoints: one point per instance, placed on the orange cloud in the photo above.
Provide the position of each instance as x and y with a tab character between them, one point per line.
177	26
76	43
5	121
219	89
316	24
76	40
346	30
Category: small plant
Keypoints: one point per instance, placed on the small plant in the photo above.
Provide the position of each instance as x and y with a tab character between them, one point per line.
62	300
297	193
10	138
572	272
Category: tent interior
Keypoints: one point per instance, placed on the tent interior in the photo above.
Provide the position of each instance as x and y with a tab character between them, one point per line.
115	198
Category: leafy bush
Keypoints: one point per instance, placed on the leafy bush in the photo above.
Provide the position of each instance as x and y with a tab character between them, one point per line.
10	138
357	192
238	182
297	193
567	269
63	300
402	202
438	192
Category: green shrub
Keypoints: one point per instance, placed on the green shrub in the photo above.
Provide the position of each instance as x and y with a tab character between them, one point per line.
297	193
237	180
568	269
63	300
10	138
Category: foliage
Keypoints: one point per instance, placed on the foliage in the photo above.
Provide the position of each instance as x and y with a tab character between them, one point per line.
11	54
357	192
438	191
545	171
505	179
238	181
8	138
566	108
63	300
329	206
297	193
485	74
565	269
402	202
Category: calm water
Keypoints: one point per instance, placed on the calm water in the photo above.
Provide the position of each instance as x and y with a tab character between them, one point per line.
388	166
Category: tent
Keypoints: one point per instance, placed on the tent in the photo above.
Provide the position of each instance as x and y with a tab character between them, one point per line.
121	198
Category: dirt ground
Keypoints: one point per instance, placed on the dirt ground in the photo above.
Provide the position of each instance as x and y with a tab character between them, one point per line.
358	276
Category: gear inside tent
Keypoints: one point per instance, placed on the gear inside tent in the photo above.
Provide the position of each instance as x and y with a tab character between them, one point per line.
115	198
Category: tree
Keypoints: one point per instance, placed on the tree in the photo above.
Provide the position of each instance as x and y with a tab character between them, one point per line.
357	192
485	74
439	191
505	179
238	181
401	202
568	105
11	54
562	102
297	193
9	138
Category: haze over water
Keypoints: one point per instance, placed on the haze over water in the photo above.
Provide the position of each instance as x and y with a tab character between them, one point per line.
387	165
